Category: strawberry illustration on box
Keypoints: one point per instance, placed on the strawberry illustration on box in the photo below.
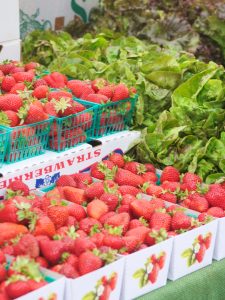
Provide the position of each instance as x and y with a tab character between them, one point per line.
200	245
152	267
103	288
53	296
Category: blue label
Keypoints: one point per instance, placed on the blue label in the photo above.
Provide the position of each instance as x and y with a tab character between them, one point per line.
47	180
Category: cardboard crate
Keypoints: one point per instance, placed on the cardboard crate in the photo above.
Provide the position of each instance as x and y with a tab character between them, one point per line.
137	274
10	50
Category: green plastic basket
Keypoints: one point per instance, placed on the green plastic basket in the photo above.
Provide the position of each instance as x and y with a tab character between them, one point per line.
113	117
73	130
27	141
4	140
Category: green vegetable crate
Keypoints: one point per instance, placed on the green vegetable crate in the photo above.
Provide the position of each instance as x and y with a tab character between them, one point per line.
4	139
27	141
113	117
73	130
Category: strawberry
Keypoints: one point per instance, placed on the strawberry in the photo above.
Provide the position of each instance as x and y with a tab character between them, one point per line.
216	196
96	209
44	226
10	102
66	180
35	285
17	88
74	195
113	241
9	231
198	202
131	243
8	83
135	167
3	273
69	271
23	76
83	244
106	91
32	114
120	92
58	214
76	86
42	262
2	257
119	220
180	221
86	224
52	250
65	107
83	120
125	177
57	144
156	236
40	92
6	67
142	208
100	170
111	200
27	245
160	220
216	212
9	118
86	91
31	65
117	159
98	84
139	232
170	186
17	69
169	197
150	177
191	181
57	95
152	277
88	262
201	253
103	219
152	189
55	80
150	168
128	190
170	174
39	82
49	108
19	187
127	199
95	190
137	223
76	211
96	98
18	288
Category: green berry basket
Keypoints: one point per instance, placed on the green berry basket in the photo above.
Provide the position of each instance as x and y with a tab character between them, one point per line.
4	140
113	117
27	141
73	130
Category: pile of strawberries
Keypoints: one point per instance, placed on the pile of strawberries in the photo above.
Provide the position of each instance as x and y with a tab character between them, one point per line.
21	277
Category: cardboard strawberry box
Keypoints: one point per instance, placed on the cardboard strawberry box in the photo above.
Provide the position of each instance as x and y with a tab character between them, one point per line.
146	270
104	283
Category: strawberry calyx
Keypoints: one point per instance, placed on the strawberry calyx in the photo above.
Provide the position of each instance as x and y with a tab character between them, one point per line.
11	194
143	221
109	173
15	278
118	230
71	232
141	169
62	104
108	257
94	229
4	120
202	188
128	158
24	212
159	235
64	257
145	186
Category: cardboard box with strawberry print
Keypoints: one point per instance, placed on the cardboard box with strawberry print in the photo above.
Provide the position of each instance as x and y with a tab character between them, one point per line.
104	283
192	250
146	270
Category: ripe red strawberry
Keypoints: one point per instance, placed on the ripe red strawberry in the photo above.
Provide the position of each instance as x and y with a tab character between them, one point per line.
135	167
152	189
198	202
88	262
58	214
77	211
216	196
111	200
31	65
127	199
44	226
100	99
83	244
57	95
191	180
9	118
105	217
39	82
18	288
52	250
201	253
150	167
35	285
96	209
139	232
156	236
17	88
106	91
100	170
95	190
82	177
87	224
169	197
69	271
142	208
49	108
137	223
64	107
6	67
216	212
10	102
27	245
180	221
119	220
160	220
170	186
153	276
20	187
55	80
150	177
23	76
2	257
131	243
98	84
120	92
8	83
3	273
57	144
113	241
128	190
40	92
74	195
76	86
117	159
170	174
125	177
33	114
86	91
17	69
66	180
42	262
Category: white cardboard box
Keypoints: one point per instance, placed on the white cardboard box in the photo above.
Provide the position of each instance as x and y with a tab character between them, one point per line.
219	251
9	20
92	285
10	50
137	269
43	171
